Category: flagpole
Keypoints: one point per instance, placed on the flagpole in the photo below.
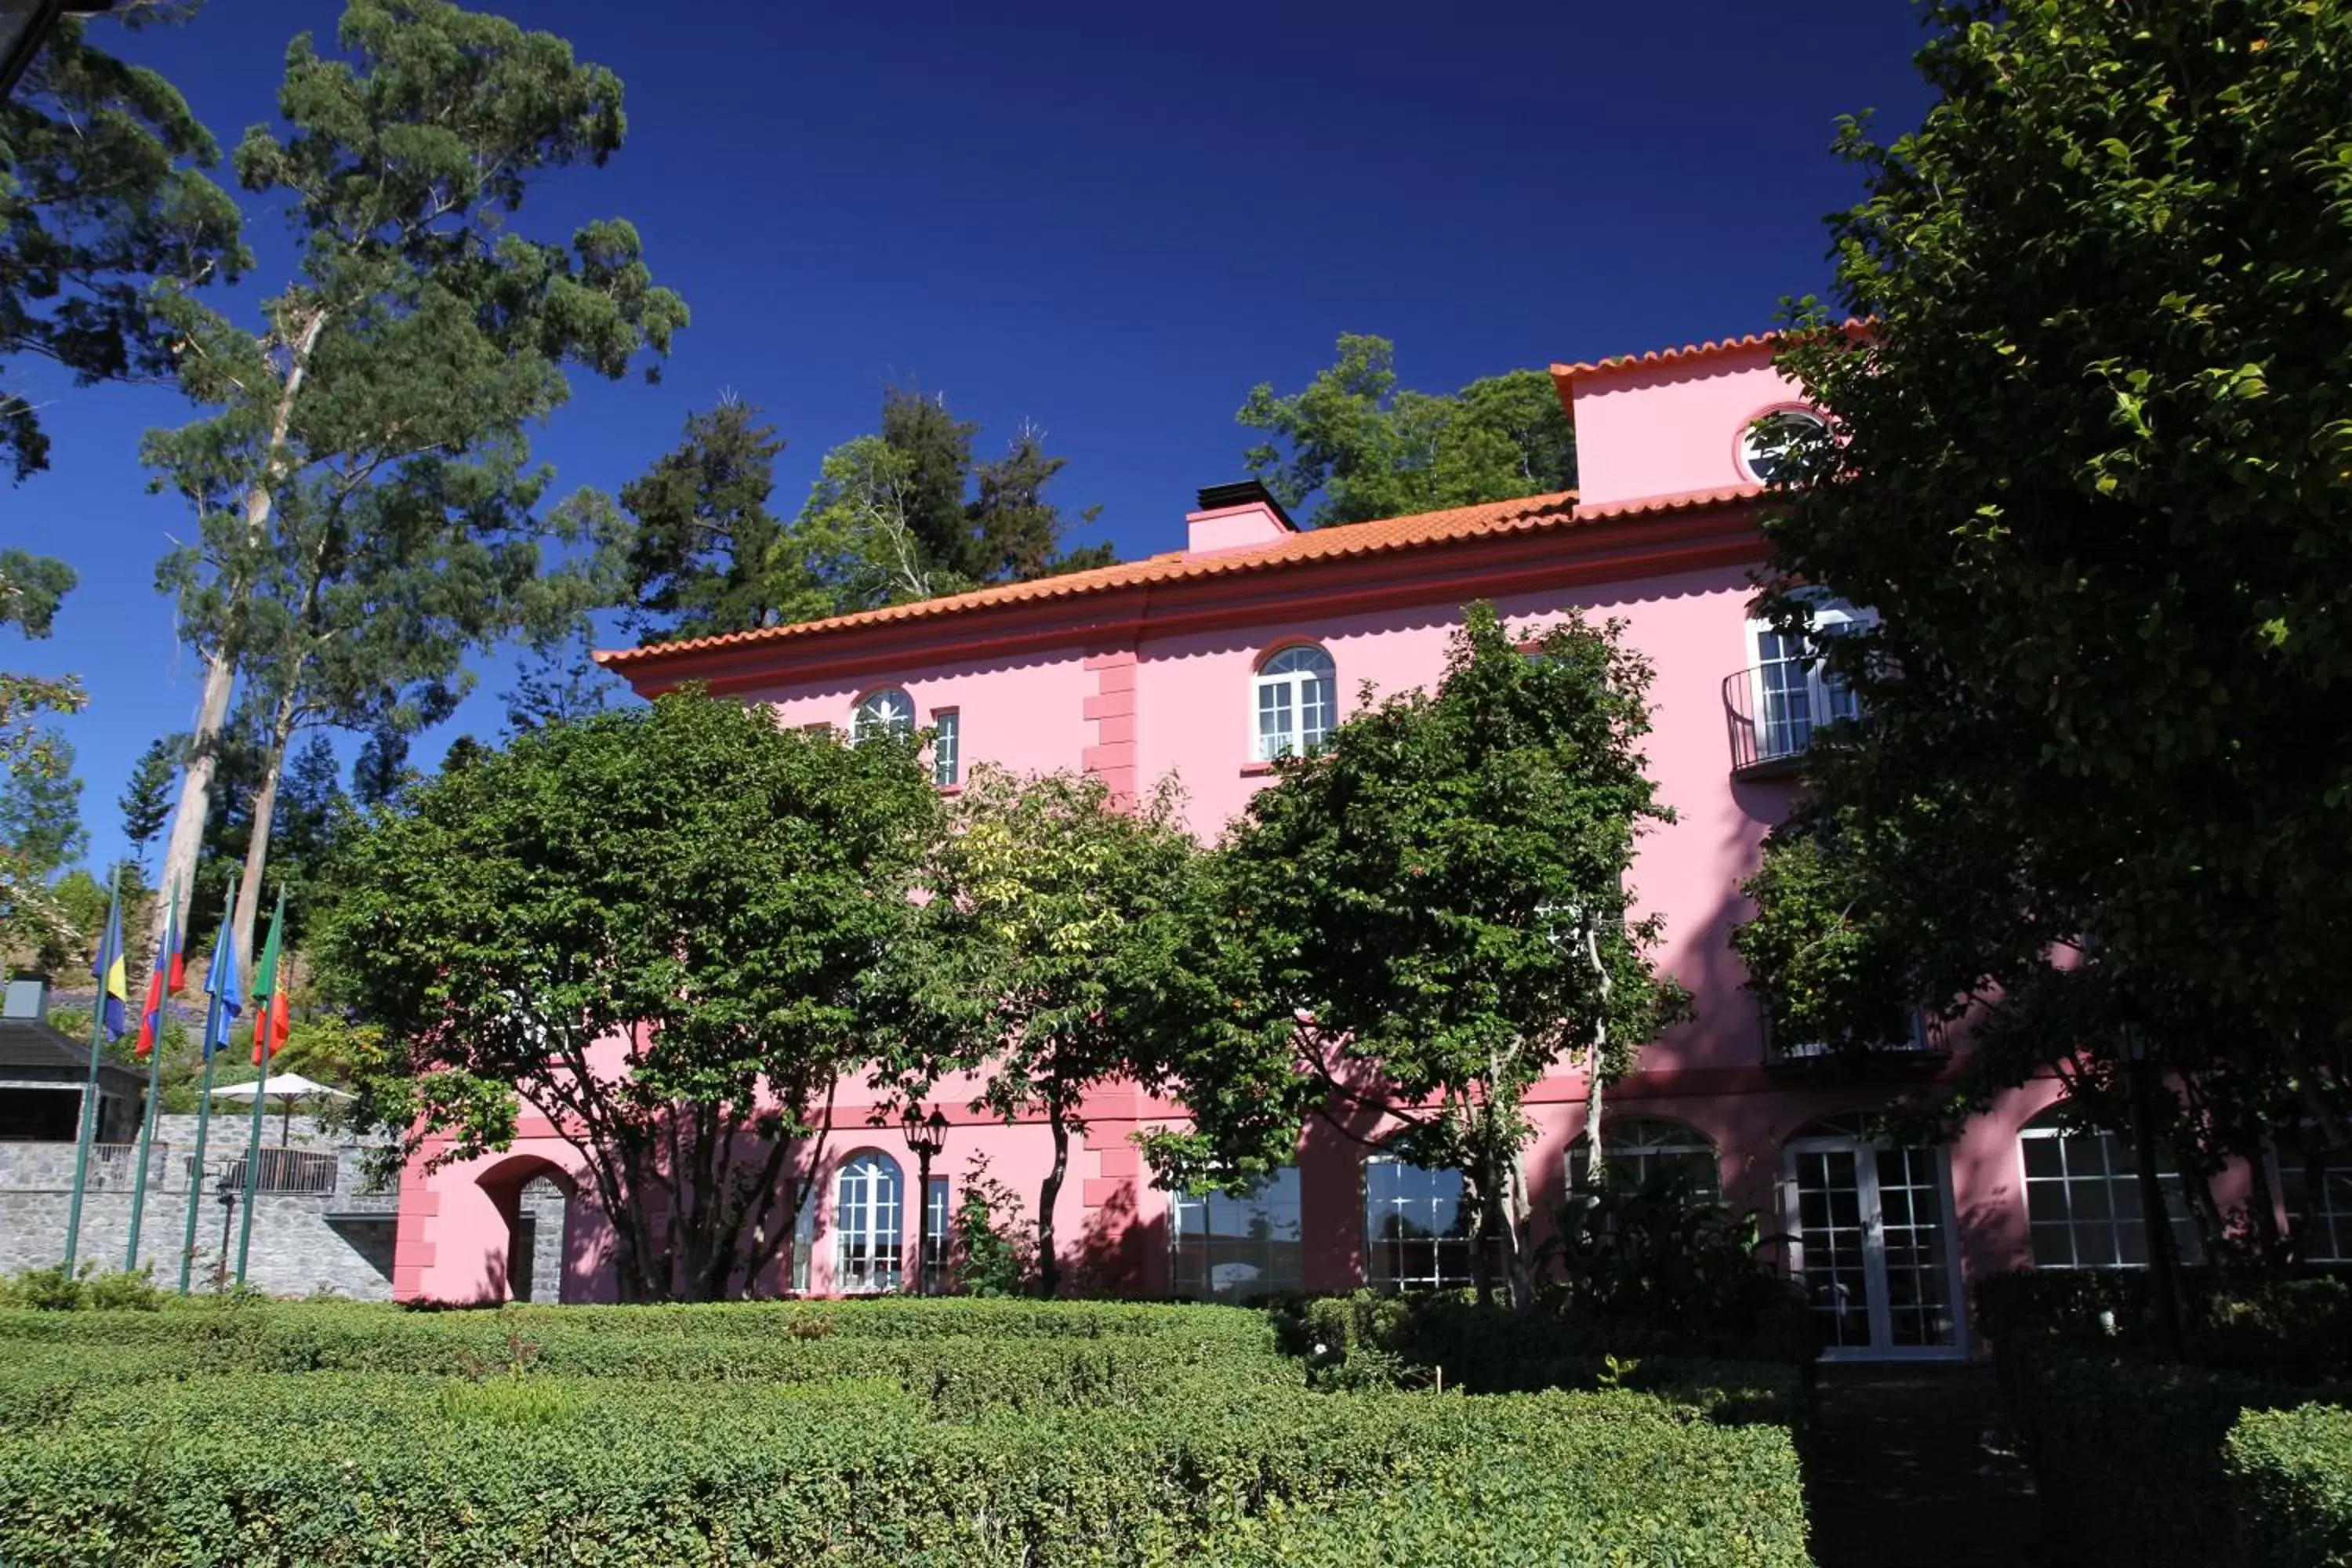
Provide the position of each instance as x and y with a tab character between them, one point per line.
218	993
89	1089
264	1027
163	984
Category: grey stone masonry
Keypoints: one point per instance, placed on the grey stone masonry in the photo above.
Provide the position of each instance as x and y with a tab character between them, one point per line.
318	1224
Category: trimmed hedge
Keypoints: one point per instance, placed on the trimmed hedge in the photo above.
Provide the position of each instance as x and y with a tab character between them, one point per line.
2299	1331
2291	1479
380	1469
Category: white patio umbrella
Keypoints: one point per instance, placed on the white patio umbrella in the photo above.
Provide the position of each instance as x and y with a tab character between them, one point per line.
285	1088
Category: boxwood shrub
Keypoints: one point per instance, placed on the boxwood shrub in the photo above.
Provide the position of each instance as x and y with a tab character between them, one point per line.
383	1469
2291	1481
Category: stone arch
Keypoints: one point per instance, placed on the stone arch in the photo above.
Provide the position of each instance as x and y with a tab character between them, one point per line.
536	1199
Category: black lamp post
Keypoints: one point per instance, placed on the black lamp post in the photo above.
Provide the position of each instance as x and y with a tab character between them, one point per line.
926	1135
26	25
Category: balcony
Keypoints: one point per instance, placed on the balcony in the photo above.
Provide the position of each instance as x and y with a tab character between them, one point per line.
1922	1045
1772	710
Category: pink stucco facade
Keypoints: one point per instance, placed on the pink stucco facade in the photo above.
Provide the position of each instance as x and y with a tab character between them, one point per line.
1147	670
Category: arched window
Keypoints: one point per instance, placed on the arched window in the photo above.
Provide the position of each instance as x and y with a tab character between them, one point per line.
1419	1232
1765	446
888	711
867	1227
1228	1247
2082	1197
1638	1149
1296	696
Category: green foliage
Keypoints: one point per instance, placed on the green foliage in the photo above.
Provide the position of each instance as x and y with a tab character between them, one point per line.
688	877
1665	1255
1035	965
106	213
993	1248
367	510
1427	916
1370	450
2085	463
30	587
55	1291
988	1432
701	557
2291	1488
146	799
2296	1330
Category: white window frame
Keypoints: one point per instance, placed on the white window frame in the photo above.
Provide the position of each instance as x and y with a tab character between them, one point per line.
1644	1145
936	1199
867	719
1296	689
1786	711
2332	1239
2120	1175
1388	1264
869	1224
1213	1225
1748	447
947	747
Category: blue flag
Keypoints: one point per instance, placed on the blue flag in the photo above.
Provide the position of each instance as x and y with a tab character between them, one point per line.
113	984
220	981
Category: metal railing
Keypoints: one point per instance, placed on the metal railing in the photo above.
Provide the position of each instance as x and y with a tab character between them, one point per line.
1772	711
299	1171
1924	1038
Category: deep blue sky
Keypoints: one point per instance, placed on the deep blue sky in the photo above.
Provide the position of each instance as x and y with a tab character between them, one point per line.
1111	220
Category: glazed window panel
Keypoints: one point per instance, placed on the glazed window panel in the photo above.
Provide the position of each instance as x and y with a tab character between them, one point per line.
2329	1237
1296	701
1640	1150
941	1222
1419	1232
869	1226
888	711
947	748
2083	1200
1228	1248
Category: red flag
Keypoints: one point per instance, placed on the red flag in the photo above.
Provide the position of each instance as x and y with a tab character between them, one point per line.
164	978
271	1025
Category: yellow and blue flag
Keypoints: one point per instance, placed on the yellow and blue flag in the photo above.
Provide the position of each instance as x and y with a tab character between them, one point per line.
113	986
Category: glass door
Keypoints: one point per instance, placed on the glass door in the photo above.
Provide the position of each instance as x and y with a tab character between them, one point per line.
1872	1250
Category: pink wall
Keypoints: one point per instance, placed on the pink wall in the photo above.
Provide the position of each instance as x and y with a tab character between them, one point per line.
1672	428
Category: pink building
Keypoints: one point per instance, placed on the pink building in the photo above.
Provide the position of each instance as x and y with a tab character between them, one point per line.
1253	635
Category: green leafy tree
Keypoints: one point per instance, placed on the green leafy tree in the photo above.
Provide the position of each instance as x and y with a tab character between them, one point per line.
703	556
366	506
559	683
146	799
40	810
30	588
2087	464
934	450
1420	922
1368	448
650	926
1053	906
105	214
1018	530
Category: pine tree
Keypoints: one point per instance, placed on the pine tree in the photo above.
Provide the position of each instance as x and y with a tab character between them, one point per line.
146	800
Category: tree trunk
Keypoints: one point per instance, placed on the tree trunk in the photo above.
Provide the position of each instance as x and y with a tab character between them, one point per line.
220	666
1522	1272
256	849
187	839
1049	1263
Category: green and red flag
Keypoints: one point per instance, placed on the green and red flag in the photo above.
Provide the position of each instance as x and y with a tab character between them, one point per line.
276	1016
169	978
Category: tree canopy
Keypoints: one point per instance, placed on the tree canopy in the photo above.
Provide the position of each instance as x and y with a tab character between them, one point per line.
367	510
1363	447
651	926
1051	911
1417	922
105	215
2088	463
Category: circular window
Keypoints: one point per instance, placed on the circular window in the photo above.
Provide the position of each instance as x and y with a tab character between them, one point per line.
1766	444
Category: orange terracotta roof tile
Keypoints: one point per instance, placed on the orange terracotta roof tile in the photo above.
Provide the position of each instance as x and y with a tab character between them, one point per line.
1745	343
1529	514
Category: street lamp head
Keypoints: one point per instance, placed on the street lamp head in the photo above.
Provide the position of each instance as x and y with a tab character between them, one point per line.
925	1134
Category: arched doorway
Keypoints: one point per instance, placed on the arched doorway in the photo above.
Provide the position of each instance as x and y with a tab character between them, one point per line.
534	1197
1871	1242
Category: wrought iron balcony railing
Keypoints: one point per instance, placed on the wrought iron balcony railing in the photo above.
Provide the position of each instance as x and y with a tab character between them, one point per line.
1772	710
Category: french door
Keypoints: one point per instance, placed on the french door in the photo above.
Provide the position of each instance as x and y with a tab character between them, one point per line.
1871	1232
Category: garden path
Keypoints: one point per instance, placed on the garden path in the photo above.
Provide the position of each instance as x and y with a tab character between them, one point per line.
1912	1468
